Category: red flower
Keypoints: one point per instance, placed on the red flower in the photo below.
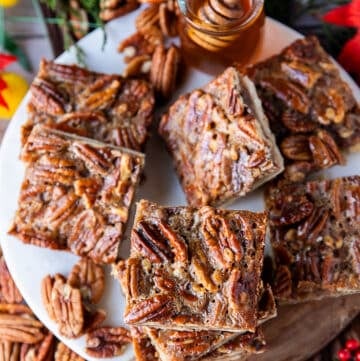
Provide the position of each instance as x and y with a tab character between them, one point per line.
5	60
348	15
3	86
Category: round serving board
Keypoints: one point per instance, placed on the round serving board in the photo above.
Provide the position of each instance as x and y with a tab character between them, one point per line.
294	335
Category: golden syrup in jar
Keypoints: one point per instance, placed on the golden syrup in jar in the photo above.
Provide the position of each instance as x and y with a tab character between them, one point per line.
217	33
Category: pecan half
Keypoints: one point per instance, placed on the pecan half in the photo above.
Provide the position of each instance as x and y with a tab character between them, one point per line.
143	348
177	244
150	243
293	209
201	275
324	149
101	94
20	328
92	157
298	171
42	351
89	278
329	107
63	353
107	341
115	8
314	224
168	20
296	147
9	293
9	351
45	97
293	96
153	308
300	73
64	305
148	17
222	243
141	43
164	69
297	122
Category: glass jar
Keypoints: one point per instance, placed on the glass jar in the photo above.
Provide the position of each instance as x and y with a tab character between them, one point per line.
217	33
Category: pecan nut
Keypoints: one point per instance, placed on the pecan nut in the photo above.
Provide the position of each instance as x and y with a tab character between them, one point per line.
324	150
293	209
153	308
9	293
107	341
9	351
296	147
45	97
297	122
101	94
111	9
20	328
89	278
42	351
164	69
292	95
64	305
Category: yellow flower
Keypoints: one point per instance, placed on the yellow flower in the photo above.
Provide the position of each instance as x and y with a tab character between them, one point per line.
8	3
12	94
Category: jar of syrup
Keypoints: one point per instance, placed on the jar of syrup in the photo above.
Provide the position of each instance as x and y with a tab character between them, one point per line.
217	33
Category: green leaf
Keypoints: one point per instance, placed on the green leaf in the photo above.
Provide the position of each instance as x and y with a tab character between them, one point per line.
50	3
11	46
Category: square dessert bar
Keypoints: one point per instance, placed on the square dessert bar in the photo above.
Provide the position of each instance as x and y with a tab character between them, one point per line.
76	194
220	141
108	108
315	234
191	269
174	345
311	110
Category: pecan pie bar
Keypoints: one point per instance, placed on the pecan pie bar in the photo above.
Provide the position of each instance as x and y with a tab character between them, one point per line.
220	140
76	194
104	107
312	111
192	269
315	234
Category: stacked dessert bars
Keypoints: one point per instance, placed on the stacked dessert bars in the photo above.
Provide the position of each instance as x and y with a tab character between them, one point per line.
193	282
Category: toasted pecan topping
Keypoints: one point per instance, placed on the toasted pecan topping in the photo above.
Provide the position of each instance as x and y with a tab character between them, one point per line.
314	231
107	341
